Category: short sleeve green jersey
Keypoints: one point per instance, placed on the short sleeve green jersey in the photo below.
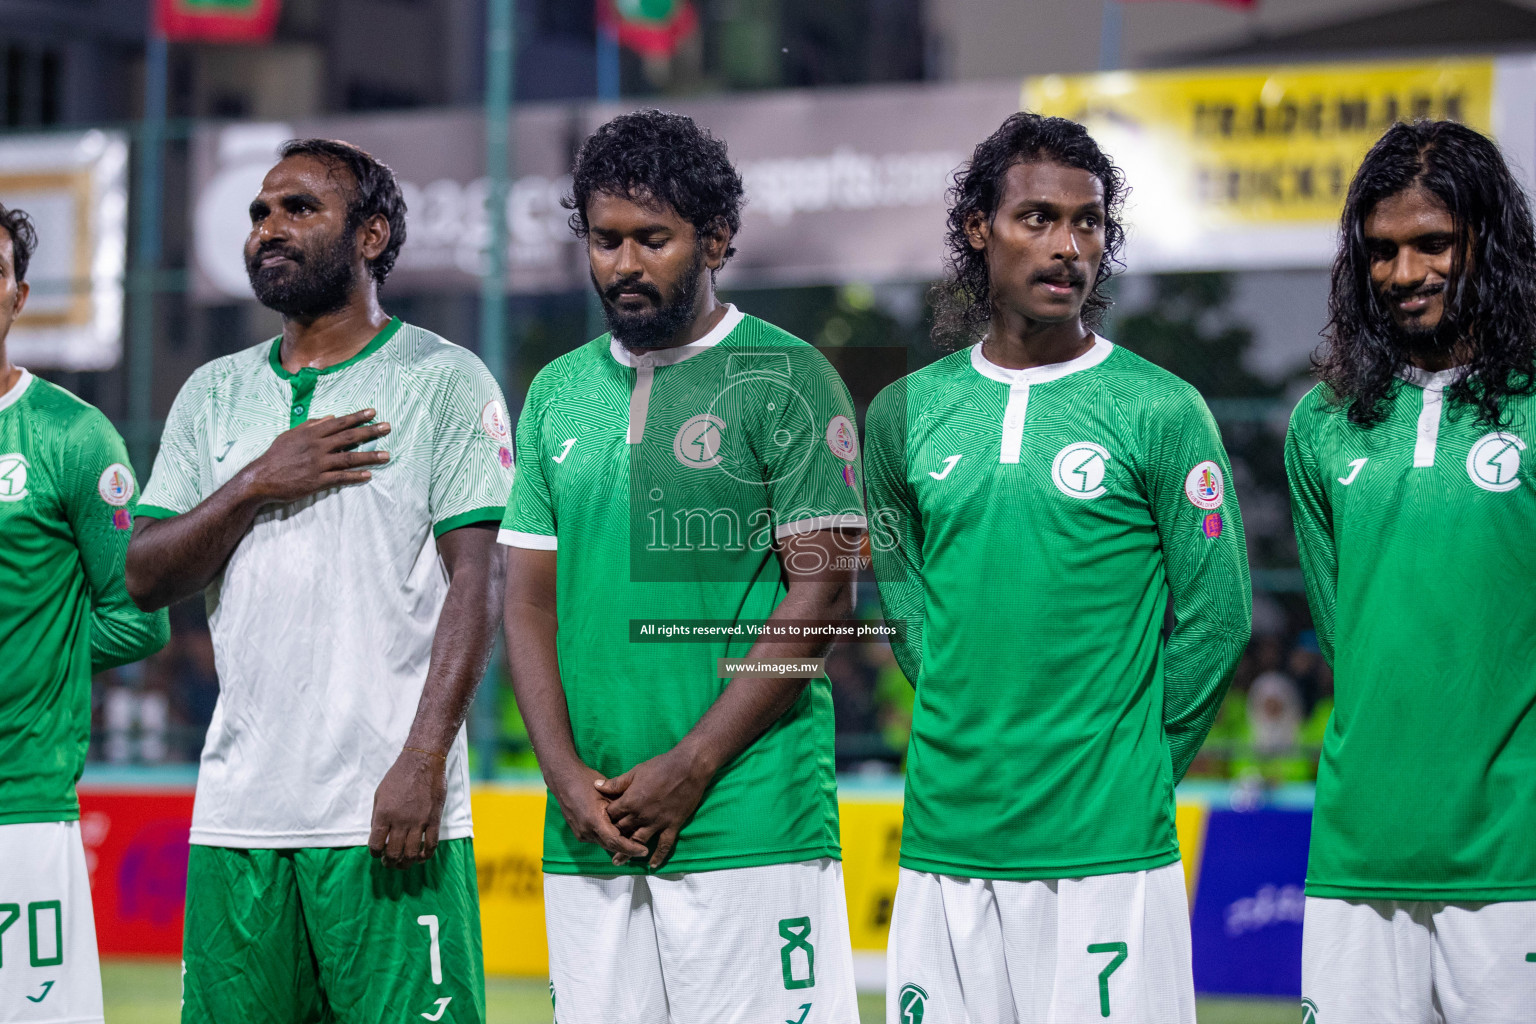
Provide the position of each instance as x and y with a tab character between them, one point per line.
323	618
1415	540
66	511
663	480
1027	528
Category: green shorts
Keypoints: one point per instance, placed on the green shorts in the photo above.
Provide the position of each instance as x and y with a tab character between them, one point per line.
331	935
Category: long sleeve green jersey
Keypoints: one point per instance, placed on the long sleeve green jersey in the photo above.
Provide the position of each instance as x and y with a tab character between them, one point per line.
1028	528
1415	541
66	513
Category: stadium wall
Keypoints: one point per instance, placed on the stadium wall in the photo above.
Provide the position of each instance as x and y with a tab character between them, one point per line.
1244	869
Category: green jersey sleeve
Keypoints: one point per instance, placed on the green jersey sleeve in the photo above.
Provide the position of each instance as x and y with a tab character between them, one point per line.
529	521
471	447
1201	531
818	489
176	481
895	527
1313	521
97	490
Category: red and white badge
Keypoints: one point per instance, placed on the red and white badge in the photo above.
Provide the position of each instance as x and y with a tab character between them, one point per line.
1204	486
493	418
842	438
115	485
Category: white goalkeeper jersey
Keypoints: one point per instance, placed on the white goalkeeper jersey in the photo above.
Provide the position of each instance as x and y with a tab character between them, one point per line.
323	619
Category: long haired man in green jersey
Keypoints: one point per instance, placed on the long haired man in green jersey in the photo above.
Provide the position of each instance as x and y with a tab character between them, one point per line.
692	468
1036	499
67	499
333	492
1414	502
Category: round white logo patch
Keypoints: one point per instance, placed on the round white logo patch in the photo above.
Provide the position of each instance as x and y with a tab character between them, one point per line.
493	418
115	485
1494	462
699	441
842	438
1079	469
1204	486
13	477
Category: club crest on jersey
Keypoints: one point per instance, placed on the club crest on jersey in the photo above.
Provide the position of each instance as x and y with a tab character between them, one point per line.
699	441
1204	486
1494	462
1309	1014
1212	525
911	1004
13	477
842	438
1079	470
115	485
493	419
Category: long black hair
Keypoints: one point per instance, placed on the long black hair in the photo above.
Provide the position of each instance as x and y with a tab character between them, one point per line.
1490	299
963	301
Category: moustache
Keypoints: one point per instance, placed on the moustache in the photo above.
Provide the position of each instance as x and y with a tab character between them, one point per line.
274	249
650	291
1070	276
1394	293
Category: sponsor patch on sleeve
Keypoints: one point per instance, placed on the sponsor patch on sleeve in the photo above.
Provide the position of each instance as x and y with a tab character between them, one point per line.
1212	525
1204	486
493	419
122	519
842	438
115	485
505	455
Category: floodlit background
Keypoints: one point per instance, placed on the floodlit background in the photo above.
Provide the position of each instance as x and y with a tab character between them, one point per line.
135	131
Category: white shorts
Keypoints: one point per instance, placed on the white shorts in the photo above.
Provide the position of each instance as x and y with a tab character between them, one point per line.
991	951
1419	962
49	973
743	945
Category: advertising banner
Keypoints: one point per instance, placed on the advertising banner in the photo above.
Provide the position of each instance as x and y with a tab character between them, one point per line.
843	185
136	851
74	186
1234	168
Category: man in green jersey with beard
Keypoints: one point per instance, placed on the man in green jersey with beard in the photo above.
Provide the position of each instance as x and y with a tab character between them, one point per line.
1415	505
1034	498
66	511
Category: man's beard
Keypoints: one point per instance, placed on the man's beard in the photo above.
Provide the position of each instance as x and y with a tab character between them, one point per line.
1429	343
316	282
654	327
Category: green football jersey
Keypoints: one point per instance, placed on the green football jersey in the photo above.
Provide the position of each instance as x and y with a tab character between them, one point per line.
1028	527
663	481
1415	539
66	512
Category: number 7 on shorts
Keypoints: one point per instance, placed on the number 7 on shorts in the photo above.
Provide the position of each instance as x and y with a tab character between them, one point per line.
1121	951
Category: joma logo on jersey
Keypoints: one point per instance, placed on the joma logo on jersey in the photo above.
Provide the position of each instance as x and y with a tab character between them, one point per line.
13	477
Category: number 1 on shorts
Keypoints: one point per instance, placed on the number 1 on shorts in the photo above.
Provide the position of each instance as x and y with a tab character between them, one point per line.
430	922
1121	951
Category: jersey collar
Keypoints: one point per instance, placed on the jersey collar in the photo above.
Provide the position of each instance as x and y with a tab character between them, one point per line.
1438	381
1040	374
275	357
670	356
13	396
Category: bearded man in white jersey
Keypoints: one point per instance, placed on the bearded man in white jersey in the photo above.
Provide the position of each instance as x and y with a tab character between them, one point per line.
334	492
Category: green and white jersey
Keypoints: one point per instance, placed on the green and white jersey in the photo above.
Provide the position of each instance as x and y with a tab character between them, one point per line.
1415	539
324	616
1028	527
663	480
66	513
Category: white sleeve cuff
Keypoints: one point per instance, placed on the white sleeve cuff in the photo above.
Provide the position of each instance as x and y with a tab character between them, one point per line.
534	541
846	520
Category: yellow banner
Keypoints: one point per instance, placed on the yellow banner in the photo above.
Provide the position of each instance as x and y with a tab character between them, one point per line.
1256	146
509	839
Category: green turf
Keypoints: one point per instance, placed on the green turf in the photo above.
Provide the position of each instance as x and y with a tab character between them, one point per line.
149	992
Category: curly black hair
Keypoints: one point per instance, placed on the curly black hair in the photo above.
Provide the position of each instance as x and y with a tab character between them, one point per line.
1490	311
18	225
651	154
963	302
377	192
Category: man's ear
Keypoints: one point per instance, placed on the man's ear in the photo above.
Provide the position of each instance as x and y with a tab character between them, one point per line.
716	239
978	229
22	291
375	237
